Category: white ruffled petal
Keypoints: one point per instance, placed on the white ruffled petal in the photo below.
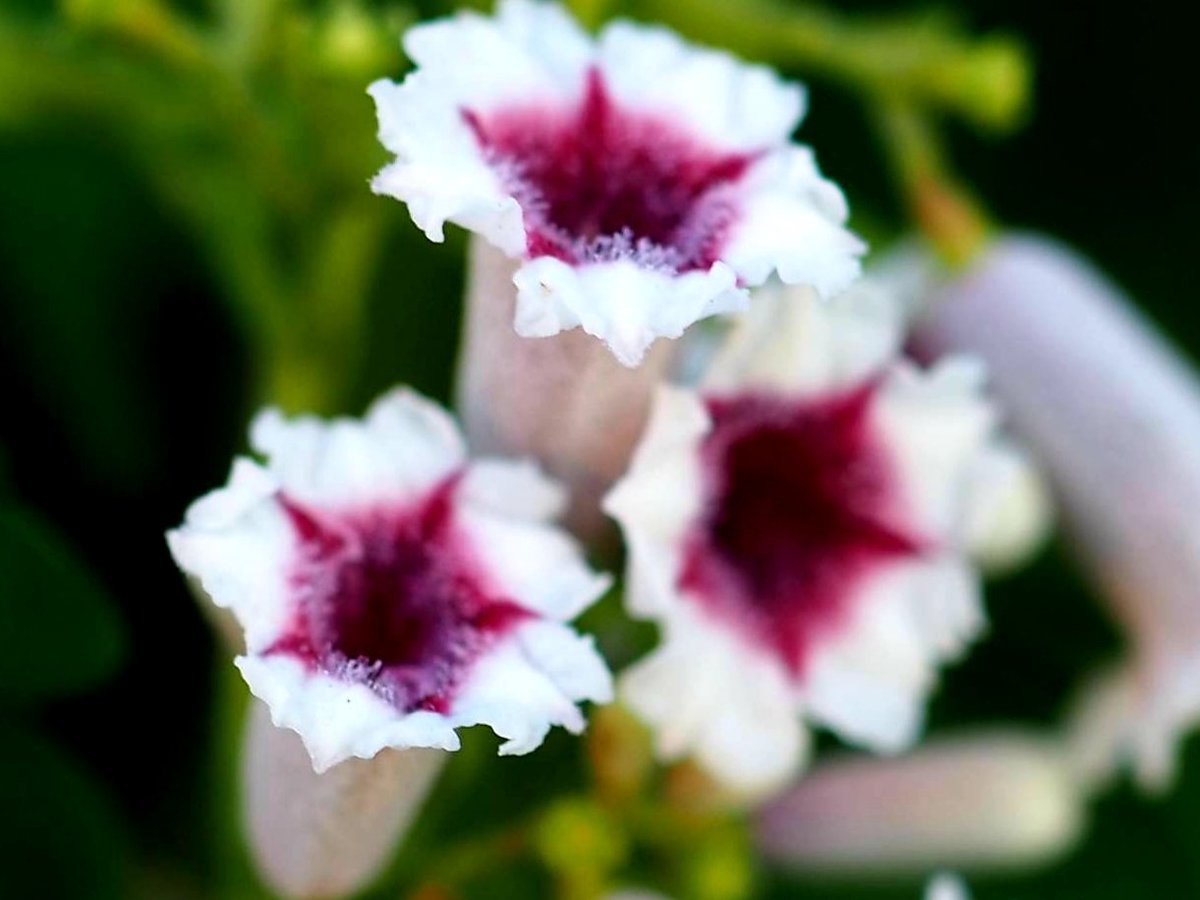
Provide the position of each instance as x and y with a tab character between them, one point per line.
517	700
528	51
658	499
791	224
947	604
512	488
506	506
869	682
937	423
404	445
733	105
625	305
705	694
440	171
1010	513
789	339
338	719
568	659
237	544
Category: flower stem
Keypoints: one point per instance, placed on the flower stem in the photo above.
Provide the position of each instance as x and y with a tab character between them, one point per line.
922	57
470	859
944	209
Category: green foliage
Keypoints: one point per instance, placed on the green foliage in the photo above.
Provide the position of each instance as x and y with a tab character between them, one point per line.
60	629
84	305
61	835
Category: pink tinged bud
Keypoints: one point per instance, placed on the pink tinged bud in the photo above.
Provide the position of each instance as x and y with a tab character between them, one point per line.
1112	413
987	801
563	400
327	835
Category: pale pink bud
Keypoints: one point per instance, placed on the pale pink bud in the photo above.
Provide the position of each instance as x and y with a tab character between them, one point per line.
564	400
1112	413
989	800
326	835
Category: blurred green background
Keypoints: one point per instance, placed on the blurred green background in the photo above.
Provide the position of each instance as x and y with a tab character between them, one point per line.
158	206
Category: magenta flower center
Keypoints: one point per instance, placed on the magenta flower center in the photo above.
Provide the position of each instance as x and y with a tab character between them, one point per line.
597	182
800	507
392	598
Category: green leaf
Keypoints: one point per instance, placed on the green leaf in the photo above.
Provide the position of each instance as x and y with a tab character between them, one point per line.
60	837
81	262
61	631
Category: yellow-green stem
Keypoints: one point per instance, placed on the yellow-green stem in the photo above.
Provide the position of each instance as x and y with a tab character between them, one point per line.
944	209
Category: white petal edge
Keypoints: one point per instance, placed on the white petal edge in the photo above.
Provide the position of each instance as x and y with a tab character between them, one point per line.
528	50
403	446
709	695
529	681
1010	513
870	682
508	691
338	719
658	499
624	304
504	506
236	543
936	424
734	105
790	223
790	339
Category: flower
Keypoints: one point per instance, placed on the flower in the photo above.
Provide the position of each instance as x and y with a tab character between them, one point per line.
1113	413
799	528
390	590
642	182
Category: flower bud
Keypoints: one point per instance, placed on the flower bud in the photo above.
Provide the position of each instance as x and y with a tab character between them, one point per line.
989	800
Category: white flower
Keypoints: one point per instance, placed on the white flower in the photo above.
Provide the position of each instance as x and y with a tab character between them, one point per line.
642	182
799	527
390	590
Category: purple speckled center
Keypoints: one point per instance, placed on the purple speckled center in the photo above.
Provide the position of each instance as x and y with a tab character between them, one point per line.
800	507
393	598
597	182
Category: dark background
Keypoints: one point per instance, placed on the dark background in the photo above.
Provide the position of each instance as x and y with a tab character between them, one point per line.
125	389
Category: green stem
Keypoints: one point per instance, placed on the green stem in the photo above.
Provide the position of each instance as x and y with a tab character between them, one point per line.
945	210
921	57
472	858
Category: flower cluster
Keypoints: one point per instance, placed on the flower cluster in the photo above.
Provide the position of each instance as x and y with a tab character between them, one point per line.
804	511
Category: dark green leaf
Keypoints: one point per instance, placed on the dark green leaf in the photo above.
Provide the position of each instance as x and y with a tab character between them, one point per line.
60	837
61	632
